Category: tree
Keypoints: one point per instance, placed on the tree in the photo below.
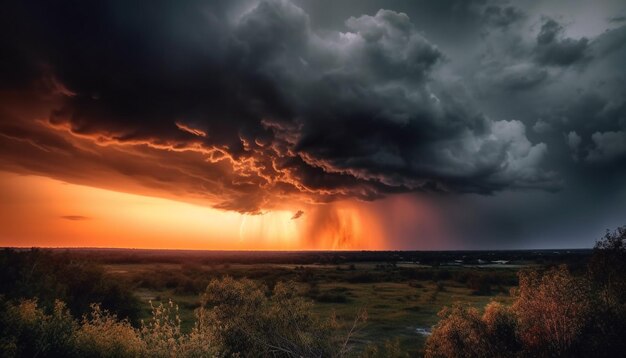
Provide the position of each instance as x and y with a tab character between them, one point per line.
550	317
49	276
607	267
607	274
555	314
553	311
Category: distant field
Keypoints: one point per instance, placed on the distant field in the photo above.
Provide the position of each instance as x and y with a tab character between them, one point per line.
401	291
398	298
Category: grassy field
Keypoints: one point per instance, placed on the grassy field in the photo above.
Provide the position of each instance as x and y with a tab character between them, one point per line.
398	298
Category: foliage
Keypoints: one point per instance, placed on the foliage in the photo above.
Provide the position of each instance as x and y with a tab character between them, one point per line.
553	311
48	277
558	312
237	317
101	334
245	318
388	349
27	331
607	267
461	333
163	337
555	314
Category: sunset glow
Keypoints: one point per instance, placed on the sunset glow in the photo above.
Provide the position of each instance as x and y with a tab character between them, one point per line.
306	125
256	178
71	215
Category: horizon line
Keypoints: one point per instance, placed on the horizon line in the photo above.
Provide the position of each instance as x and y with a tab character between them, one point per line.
277	250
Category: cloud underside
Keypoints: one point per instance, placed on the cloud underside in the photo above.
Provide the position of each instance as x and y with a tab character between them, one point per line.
248	111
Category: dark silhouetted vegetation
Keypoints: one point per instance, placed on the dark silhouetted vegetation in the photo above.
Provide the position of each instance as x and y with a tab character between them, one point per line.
48	277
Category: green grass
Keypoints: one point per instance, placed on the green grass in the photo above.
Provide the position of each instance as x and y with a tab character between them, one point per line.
395	307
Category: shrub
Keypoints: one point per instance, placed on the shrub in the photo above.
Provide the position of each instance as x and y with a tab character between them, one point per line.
460	333
389	349
500	328
163	337
552	310
50	277
607	267
237	317
29	332
103	335
554	314
244	320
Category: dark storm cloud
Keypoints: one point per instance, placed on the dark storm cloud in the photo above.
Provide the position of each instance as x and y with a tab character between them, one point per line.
553	49
245	104
502	16
578	110
520	58
356	113
595	111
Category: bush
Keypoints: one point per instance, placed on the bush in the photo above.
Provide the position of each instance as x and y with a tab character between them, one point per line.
244	320
237	317
27	331
49	277
555	314
163	337
607	267
460	333
103	335
553	310
389	349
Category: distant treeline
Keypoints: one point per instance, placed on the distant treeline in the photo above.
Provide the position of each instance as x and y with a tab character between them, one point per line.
138	256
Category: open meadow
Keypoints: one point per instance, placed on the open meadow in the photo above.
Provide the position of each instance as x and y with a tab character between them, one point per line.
343	304
399	299
380	297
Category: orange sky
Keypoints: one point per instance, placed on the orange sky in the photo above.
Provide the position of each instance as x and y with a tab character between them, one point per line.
39	211
62	188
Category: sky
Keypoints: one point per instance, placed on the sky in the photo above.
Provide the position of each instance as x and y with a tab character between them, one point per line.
289	125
